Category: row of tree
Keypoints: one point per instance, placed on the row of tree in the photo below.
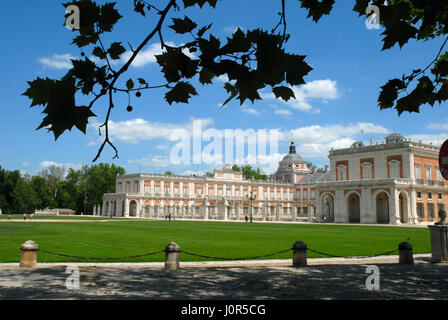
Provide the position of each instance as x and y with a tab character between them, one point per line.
57	187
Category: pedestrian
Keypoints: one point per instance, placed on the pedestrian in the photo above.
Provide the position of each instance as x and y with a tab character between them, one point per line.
24	216
169	217
245	217
9	216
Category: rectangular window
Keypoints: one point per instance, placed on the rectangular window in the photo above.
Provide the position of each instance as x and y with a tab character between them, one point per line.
420	211
418	172
395	170
419	195
176	190
429	196
185	190
428	172
147	188
439	196
128	186
265	195
135	186
119	187
157	189
198	190
167	189
438	174
342	174
305	195
367	172
431	211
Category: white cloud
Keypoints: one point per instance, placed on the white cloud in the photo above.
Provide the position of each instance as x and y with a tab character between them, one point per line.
435	139
319	89
58	61
317	140
137	130
283	112
148	55
250	110
438	126
46	164
158	161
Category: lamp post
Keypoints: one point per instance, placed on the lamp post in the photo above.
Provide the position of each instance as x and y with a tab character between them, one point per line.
251	198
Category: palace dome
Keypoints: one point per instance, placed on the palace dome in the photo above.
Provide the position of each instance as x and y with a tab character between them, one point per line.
394	138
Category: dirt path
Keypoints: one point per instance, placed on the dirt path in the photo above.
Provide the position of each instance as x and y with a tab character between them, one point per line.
319	280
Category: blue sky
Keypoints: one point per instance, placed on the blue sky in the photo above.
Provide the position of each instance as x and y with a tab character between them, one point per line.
338	101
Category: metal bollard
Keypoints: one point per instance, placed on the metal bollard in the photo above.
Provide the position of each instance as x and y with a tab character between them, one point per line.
405	253
28	258
172	256
299	254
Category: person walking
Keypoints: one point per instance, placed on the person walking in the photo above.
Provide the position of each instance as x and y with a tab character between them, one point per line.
9	217
247	219
24	217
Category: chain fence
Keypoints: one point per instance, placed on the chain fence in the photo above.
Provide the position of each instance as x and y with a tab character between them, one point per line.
102	258
212	257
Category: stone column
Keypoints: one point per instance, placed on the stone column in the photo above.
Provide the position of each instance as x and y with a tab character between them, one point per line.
126	208
412	213
28	258
439	242
394	209
310	213
172	256
405	253
299	254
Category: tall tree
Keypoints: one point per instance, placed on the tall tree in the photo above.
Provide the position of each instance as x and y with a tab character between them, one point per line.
53	174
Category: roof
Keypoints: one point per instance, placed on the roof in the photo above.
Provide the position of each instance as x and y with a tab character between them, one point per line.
315	177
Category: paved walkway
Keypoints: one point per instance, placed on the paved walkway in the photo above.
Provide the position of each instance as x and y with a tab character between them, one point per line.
321	279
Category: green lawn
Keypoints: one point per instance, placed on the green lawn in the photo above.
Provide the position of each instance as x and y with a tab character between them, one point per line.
120	238
20	217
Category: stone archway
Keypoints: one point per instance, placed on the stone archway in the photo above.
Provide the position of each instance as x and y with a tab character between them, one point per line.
382	208
354	214
328	207
133	208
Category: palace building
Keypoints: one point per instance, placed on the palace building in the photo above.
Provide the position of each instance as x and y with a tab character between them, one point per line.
393	182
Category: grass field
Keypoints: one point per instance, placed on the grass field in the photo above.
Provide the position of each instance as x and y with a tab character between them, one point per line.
120	238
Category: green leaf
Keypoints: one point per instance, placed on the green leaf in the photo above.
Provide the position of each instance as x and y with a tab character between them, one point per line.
317	8
200	3
283	92
61	111
206	76
203	30
389	93
142	81
182	92
184	25
109	16
39	91
130	84
116	50
98	52
399	33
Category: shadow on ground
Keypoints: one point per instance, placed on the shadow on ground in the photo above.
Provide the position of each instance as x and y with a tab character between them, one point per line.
421	281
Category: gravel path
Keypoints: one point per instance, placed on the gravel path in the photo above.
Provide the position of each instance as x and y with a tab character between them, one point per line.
321	279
